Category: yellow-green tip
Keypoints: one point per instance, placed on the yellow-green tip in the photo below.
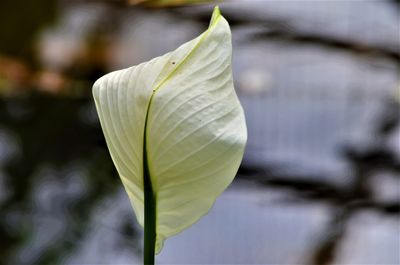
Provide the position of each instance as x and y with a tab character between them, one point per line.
215	15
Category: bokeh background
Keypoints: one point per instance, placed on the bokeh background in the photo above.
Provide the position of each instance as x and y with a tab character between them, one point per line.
320	85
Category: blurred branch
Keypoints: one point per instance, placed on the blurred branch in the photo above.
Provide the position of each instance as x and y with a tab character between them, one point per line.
282	29
355	196
316	190
365	162
161	3
167	3
329	42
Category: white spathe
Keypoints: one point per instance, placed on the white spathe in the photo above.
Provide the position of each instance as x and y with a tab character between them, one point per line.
196	131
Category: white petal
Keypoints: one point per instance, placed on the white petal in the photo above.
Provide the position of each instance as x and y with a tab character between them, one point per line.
196	131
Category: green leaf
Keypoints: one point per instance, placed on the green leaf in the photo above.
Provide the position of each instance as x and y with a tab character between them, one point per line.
179	116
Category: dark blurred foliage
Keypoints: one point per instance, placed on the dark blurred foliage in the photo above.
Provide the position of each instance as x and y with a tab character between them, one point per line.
21	22
20	70
52	131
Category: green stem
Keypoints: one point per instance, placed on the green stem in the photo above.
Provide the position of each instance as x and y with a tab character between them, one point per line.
149	221
149	204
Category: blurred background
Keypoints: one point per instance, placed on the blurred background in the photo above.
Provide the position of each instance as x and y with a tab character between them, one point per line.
320	85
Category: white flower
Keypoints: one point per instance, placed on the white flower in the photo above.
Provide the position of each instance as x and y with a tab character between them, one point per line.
178	118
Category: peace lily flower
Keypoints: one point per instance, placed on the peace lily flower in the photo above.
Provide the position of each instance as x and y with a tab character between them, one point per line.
176	132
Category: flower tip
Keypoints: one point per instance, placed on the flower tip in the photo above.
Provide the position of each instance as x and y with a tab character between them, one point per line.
215	15
217	10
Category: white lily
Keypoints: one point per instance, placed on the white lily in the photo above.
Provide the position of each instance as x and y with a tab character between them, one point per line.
175	130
